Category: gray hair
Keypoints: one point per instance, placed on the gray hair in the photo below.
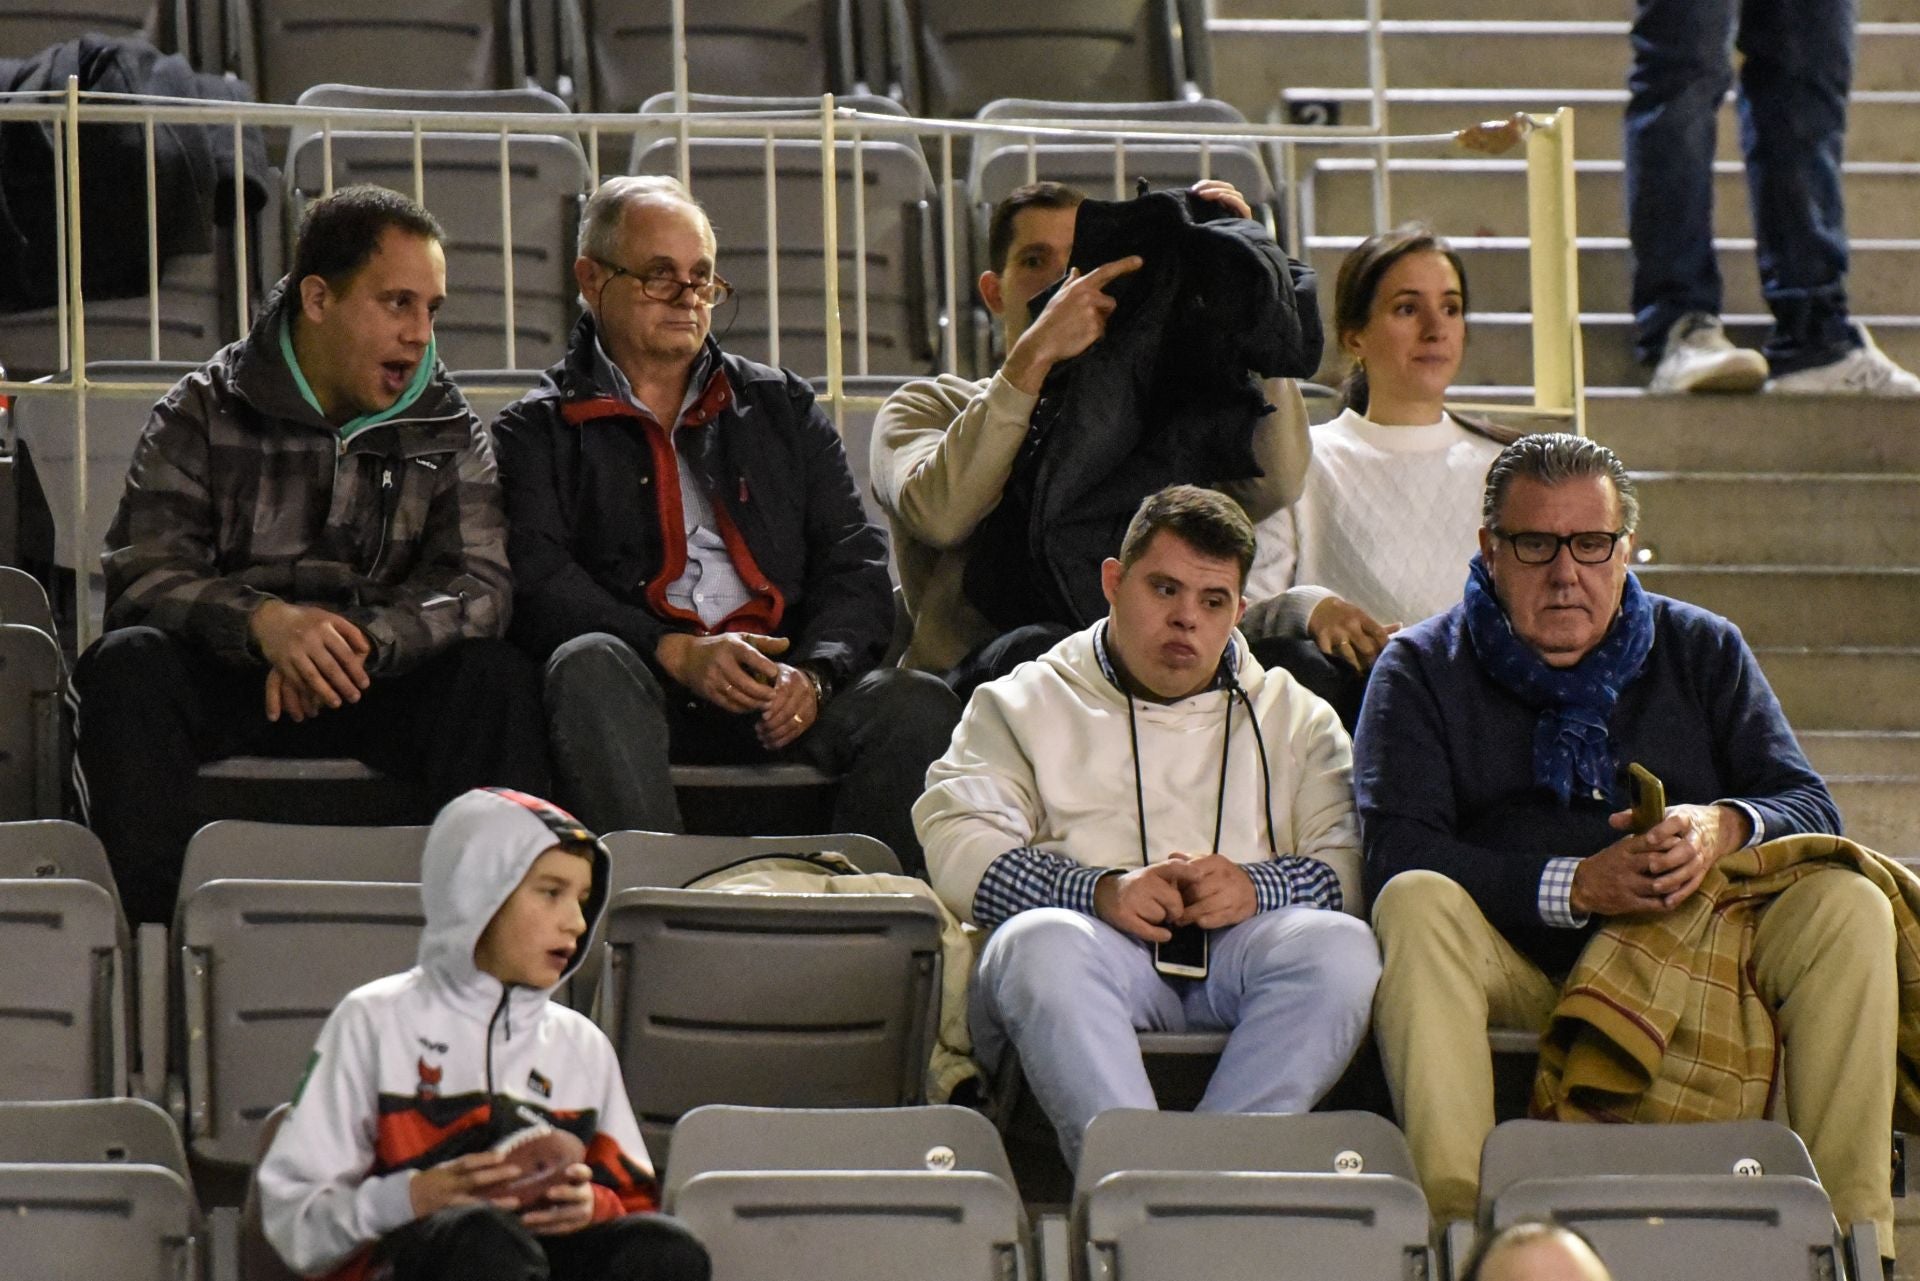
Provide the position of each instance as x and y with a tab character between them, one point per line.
1553	458
600	220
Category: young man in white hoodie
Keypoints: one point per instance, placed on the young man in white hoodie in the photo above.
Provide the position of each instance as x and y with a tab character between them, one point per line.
1143	775
386	1165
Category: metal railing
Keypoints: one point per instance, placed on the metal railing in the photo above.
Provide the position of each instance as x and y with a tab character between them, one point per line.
1557	365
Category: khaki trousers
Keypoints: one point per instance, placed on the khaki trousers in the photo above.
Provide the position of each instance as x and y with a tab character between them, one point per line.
1823	959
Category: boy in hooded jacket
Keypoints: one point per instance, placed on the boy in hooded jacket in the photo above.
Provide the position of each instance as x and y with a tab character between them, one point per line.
385	1162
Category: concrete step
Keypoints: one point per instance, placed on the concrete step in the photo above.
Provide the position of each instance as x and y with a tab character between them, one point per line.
1862	752
1881	126
1851	688
1833	606
1721	518
1881	280
1489	10
1489	197
1881	813
1758	433
1273	54
1500	345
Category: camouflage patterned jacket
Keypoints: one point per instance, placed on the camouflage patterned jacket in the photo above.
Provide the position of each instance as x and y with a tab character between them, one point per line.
240	492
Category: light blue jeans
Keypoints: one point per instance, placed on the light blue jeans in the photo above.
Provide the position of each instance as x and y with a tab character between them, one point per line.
1068	991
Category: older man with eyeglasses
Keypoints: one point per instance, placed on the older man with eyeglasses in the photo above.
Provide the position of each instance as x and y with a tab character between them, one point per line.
693	562
1497	830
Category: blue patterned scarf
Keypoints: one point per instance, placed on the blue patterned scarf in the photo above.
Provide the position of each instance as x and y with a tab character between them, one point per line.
1571	748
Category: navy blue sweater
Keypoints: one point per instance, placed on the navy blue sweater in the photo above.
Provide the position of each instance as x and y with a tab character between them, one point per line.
1443	764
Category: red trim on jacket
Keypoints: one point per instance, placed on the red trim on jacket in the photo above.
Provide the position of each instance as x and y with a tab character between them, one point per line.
765	606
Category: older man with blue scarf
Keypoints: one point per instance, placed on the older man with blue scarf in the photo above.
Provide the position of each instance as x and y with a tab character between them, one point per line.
1489	774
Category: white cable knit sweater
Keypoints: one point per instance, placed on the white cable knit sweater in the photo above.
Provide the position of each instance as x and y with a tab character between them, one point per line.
1389	518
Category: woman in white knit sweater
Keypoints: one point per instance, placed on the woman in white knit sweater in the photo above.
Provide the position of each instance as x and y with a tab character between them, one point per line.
1383	531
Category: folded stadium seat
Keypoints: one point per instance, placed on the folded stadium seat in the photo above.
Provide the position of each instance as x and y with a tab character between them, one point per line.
950	57
811	1000
262	964
1327	1194
523	100
45	422
620	52
24	601
32	753
64	953
663	860
130	1222
460	175
237	848
91	1131
1737	1200
26	29
43	848
488	391
729	177
847	1194
282	47
195	314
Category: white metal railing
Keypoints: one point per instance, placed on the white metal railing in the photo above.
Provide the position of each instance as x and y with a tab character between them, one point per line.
1557	376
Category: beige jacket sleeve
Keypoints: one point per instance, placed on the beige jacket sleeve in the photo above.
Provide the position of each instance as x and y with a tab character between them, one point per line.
1282	448
939	463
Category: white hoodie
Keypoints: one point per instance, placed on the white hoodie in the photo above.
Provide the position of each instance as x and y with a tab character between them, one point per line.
415	1069
1042	760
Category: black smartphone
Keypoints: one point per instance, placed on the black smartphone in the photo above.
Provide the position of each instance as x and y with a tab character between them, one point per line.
1184	956
1649	796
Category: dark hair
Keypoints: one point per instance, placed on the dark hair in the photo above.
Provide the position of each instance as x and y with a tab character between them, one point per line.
1205	519
1519	1234
1035	195
338	233
1554	457
1359	281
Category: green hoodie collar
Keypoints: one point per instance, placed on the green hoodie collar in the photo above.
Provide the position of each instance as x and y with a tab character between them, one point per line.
422	374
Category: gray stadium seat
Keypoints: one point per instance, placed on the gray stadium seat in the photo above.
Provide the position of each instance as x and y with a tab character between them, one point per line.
114	425
722	1136
28	26
951	57
195	320
461	184
1328	1194
488	391
1739	1200
662	860
282	47
262	964
259	1261
623	49
847	1194
63	970
74	1222
240	849
53	847
91	1131
31	752
525	99
23	600
764	999
729	179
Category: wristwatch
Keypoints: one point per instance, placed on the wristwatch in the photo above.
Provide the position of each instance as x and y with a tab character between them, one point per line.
821	680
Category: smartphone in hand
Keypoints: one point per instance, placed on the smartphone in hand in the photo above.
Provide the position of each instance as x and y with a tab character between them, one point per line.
1649	796
1184	956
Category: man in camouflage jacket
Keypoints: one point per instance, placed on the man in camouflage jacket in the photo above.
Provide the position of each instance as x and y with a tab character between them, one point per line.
309	559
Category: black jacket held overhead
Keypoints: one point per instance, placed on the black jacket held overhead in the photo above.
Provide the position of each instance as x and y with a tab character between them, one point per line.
592	489
1170	395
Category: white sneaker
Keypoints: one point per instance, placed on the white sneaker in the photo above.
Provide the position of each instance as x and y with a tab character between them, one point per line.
1700	357
1864	371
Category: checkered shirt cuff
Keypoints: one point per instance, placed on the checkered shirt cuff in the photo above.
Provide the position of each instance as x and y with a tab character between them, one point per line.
1556	895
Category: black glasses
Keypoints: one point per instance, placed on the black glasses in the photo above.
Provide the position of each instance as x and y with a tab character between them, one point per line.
664	286
1590	547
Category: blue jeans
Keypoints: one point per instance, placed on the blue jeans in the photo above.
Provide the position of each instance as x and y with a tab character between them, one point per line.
1797	70
1294	985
